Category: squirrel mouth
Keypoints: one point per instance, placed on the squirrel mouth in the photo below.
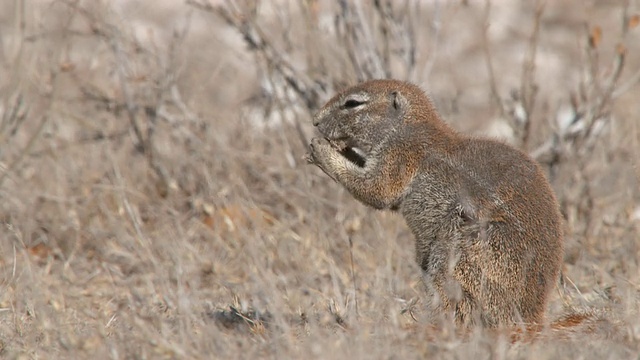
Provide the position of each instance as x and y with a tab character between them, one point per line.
347	148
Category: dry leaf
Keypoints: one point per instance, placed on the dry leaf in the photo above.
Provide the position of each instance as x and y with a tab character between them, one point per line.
40	252
595	36
67	66
231	217
633	22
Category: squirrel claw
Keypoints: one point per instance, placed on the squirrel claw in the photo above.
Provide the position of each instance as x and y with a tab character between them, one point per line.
308	158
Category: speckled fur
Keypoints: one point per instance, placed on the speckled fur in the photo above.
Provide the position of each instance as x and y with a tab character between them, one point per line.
486	222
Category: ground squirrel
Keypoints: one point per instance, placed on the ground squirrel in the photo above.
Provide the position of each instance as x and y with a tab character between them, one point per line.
485	219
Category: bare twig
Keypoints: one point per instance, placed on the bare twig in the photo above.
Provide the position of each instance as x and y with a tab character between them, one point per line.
594	101
384	11
601	93
495	95
623	88
353	277
15	115
16	112
79	142
436	26
130	107
528	87
256	40
32	140
278	65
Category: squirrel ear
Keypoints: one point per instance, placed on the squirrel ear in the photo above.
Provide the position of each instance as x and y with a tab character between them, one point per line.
399	101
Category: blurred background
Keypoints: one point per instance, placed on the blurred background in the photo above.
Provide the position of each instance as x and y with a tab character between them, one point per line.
154	203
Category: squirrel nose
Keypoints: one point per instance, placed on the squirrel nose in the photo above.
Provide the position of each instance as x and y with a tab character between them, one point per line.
317	117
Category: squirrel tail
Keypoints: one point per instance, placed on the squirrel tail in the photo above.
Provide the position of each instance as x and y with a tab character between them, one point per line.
564	327
575	321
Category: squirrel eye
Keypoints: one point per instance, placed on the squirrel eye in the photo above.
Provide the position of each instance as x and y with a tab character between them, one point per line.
351	103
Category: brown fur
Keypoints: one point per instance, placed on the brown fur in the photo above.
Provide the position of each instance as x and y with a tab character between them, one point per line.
486	222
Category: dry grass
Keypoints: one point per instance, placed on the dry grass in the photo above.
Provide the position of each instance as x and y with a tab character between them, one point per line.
148	212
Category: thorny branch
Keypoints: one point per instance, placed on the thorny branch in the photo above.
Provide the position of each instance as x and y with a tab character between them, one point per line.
367	46
18	112
163	89
310	91
255	38
591	106
573	138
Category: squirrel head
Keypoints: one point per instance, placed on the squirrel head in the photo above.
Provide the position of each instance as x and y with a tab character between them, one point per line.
362	117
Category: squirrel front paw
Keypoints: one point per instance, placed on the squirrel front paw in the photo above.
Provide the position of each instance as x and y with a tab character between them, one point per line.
323	155
319	151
